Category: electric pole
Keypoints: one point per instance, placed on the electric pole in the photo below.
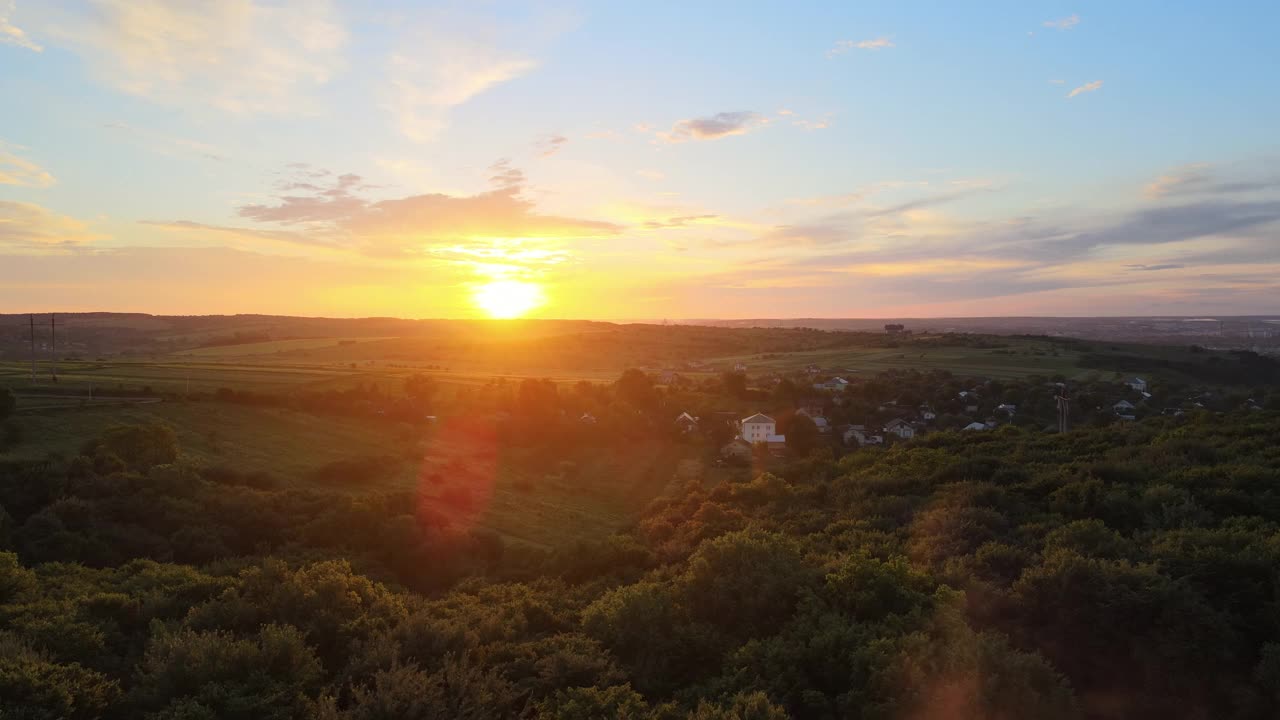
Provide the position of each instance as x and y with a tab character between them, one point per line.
32	318
1064	410
53	344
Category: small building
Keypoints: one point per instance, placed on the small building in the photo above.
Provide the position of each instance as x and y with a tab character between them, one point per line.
667	377
1137	383
901	428
777	444
975	426
736	448
838	384
587	419
813	369
927	413
758	428
740	367
1007	409
687	423
1123	407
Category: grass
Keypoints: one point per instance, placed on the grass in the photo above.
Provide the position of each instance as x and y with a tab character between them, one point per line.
271	347
1020	359
514	495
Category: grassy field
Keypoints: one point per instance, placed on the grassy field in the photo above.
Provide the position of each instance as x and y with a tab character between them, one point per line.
1020	359
270	347
538	506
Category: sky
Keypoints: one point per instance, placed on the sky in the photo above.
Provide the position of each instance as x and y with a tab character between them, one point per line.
611	160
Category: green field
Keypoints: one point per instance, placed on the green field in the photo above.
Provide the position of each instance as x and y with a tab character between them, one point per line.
1020	359
270	347
534	506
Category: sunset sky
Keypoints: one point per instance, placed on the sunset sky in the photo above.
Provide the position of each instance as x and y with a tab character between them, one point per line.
640	160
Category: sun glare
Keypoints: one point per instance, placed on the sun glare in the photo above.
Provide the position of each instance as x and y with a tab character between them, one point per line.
503	299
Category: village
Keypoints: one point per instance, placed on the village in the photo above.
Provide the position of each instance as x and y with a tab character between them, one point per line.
820	408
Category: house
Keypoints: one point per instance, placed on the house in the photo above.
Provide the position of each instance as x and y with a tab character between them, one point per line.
971	408
740	367
1137	383
815	414
667	377
1122	407
834	385
855	434
736	448
587	419
901	428
686	422
927	413
1007	408
976	426
813	369
758	428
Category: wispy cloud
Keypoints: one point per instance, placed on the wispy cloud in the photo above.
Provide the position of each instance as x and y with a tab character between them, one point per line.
166	144
820	123
27	227
1057	82
654	175
1065	23
437	73
714	127
11	34
1200	179
1155	268
843	46
19	171
240	56
551	144
1085	88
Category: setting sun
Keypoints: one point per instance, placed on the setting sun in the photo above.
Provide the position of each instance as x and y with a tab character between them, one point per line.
503	299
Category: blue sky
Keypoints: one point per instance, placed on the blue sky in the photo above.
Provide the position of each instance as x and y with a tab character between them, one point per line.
640	160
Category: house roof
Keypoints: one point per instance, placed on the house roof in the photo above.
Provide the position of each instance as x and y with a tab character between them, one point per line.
686	416
757	418
894	423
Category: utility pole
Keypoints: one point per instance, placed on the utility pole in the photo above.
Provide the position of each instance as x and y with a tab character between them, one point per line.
32	318
1064	410
53	344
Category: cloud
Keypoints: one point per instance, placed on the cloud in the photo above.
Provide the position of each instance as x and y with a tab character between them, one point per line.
1065	23
23	173
820	123
1085	88
1198	179
1057	82
166	144
1153	268
654	175
679	222
551	144
333	212
436	73
505	175
323	204
11	34
239	56
717	126
27	226
843	46
247	235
